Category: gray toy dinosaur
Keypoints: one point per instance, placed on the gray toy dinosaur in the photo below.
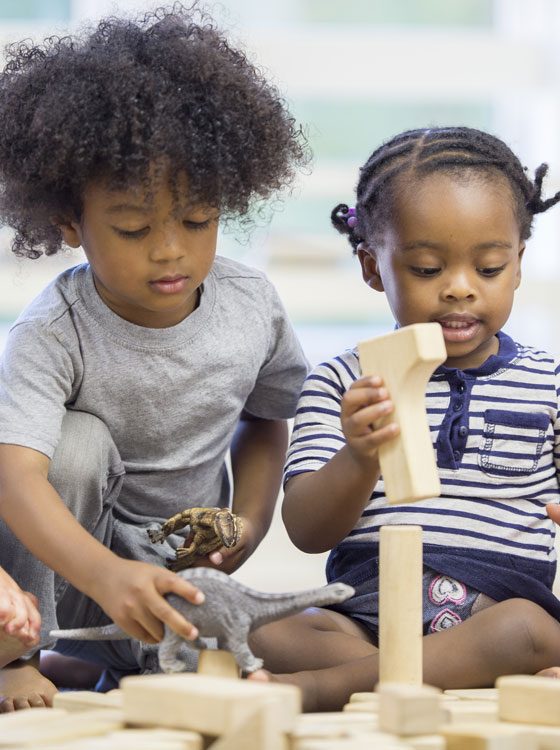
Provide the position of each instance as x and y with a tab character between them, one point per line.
229	613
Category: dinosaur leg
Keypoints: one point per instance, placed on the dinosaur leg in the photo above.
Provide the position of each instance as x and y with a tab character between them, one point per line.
237	644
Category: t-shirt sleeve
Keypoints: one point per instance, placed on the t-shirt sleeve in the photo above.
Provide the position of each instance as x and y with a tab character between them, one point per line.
36	383
283	372
317	434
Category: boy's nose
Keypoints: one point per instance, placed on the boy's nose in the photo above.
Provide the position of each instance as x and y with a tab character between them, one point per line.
168	246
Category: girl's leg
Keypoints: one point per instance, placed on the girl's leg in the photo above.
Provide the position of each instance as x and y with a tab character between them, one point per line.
512	637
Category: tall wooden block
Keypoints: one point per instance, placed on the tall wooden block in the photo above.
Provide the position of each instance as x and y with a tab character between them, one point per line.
400	604
207	704
529	700
405	359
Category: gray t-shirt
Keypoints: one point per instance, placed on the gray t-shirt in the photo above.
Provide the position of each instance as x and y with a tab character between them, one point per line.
171	397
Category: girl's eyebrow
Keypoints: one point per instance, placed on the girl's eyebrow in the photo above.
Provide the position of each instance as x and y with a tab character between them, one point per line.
491	244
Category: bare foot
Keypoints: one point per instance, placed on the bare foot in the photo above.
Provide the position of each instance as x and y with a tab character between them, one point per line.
23	686
550	672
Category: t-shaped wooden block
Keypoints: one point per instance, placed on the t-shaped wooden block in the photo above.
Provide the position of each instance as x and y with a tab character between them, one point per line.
405	359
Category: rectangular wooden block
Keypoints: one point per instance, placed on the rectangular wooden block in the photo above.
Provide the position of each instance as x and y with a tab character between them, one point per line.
529	700
474	694
461	712
63	729
409	709
86	700
491	736
206	704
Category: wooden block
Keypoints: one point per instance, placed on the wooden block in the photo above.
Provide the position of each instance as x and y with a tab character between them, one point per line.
86	700
217	663
491	736
529	700
426	742
259	731
361	707
210	705
363	742
547	737
474	694
134	739
62	729
409	709
30	718
372	698
333	724
461	712
405	359
400	604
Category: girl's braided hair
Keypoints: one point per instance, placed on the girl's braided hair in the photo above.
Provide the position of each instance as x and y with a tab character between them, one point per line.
112	102
416	153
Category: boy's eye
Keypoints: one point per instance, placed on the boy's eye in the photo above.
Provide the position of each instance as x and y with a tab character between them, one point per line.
488	272
129	234
196	225
424	270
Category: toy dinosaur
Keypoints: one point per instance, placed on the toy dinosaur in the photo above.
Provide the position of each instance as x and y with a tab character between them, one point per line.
229	613
211	528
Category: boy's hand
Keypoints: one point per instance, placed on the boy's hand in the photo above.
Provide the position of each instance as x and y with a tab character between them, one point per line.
132	594
553	510
230	559
363	405
19	616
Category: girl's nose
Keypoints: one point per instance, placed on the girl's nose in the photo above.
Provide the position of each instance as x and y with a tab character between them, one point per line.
458	287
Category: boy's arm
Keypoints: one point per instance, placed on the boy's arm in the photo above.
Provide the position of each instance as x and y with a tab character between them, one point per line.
257	457
131	593
321	507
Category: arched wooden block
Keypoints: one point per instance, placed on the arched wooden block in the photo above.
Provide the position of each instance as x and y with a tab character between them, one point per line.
405	359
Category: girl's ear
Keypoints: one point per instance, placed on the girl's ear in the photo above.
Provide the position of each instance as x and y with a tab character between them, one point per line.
519	258
70	231
370	271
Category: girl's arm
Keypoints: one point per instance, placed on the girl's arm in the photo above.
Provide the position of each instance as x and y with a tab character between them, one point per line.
130	592
321	507
258	452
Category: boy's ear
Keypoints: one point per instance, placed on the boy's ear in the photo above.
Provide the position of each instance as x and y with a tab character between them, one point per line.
70	231
370	271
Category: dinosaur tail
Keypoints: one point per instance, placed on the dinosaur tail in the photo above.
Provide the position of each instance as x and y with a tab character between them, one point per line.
110	632
282	605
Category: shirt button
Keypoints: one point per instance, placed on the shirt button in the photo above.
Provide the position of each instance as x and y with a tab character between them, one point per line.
457	406
456	455
463	431
461	388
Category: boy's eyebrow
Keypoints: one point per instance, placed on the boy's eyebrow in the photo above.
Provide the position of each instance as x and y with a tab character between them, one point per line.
502	244
117	208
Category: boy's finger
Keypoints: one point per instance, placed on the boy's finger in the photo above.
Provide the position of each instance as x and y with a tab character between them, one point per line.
171	617
173	584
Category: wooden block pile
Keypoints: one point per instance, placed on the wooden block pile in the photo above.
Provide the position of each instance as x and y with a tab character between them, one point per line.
200	712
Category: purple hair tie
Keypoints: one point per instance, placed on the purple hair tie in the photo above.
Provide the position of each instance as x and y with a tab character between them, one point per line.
350	216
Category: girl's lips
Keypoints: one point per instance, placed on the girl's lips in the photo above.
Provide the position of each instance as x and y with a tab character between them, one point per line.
169	286
457	330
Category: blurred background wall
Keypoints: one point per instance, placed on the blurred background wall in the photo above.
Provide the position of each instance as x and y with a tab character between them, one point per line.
354	73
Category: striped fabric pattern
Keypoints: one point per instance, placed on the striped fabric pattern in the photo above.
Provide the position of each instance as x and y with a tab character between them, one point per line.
494	495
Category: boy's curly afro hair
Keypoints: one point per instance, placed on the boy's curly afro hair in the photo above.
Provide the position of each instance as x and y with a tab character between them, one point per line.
112	102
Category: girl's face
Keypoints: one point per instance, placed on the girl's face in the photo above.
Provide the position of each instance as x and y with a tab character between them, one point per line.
149	254
450	254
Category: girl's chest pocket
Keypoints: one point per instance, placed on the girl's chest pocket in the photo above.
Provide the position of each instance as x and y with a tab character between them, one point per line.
512	442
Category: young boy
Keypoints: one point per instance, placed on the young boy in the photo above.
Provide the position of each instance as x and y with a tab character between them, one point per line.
126	382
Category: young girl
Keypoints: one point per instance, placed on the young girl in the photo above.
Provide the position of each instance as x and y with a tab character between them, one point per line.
440	224
128	380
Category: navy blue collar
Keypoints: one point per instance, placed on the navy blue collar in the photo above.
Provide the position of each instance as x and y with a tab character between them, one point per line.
507	351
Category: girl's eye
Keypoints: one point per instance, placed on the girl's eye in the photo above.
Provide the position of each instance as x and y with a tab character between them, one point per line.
196	225
424	271
132	234
489	272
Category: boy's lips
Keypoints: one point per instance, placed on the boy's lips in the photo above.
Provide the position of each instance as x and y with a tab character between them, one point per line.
169	284
458	328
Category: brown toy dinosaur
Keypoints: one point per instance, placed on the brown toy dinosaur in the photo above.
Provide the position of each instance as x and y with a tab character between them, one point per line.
210	529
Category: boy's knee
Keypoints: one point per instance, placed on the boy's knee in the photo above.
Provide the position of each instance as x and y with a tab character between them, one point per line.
529	626
85	459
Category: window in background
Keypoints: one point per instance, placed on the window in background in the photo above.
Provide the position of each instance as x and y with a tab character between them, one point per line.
35	10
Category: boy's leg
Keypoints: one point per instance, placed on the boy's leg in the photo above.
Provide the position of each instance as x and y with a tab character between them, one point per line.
512	637
87	471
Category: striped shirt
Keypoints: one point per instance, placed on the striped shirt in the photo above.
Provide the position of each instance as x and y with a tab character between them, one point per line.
496	435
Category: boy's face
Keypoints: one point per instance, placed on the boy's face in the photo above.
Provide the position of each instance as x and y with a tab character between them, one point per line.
149	253
450	254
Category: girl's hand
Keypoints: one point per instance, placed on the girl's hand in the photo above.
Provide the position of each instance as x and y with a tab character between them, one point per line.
229	559
132	594
364	404
19	616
